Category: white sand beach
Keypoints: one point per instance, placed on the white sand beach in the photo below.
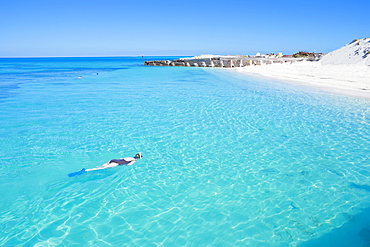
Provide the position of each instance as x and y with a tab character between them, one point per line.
344	71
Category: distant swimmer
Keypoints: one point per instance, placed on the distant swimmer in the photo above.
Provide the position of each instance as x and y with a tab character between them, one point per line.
128	161
80	77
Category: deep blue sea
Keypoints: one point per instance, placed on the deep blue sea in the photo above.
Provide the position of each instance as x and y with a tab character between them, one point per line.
229	160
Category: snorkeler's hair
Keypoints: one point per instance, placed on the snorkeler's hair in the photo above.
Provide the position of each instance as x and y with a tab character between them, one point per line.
139	156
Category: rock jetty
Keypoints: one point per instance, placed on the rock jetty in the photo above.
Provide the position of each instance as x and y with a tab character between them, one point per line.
224	61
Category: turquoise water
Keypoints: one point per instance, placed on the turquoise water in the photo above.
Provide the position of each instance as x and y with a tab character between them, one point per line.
229	160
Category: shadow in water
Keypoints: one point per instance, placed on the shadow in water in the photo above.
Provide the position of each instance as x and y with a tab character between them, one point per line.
362	187
356	232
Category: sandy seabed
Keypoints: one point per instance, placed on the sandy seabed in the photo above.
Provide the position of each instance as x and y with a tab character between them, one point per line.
350	80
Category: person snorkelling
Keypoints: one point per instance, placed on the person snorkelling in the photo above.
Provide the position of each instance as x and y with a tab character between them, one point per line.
128	161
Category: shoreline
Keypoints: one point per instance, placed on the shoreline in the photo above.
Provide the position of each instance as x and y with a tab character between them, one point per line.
347	80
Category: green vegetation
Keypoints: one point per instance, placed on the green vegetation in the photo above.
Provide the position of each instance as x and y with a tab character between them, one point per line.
304	54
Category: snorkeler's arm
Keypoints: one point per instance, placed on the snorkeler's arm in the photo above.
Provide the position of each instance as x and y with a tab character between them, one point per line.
131	163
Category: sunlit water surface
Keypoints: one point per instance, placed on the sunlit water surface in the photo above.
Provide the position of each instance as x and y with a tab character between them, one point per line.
229	160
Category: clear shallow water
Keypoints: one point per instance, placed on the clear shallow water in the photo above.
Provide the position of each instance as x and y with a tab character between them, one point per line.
228	160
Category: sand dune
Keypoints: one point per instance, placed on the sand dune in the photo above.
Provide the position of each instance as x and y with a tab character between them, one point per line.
357	53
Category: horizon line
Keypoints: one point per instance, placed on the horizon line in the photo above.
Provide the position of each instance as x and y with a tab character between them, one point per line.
95	56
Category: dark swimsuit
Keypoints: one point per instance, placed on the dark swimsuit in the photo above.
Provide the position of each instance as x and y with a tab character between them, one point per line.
120	162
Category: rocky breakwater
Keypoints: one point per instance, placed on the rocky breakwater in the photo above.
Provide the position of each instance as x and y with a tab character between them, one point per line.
158	63
222	61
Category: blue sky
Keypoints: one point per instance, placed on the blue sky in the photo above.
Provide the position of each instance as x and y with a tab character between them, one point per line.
170	27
